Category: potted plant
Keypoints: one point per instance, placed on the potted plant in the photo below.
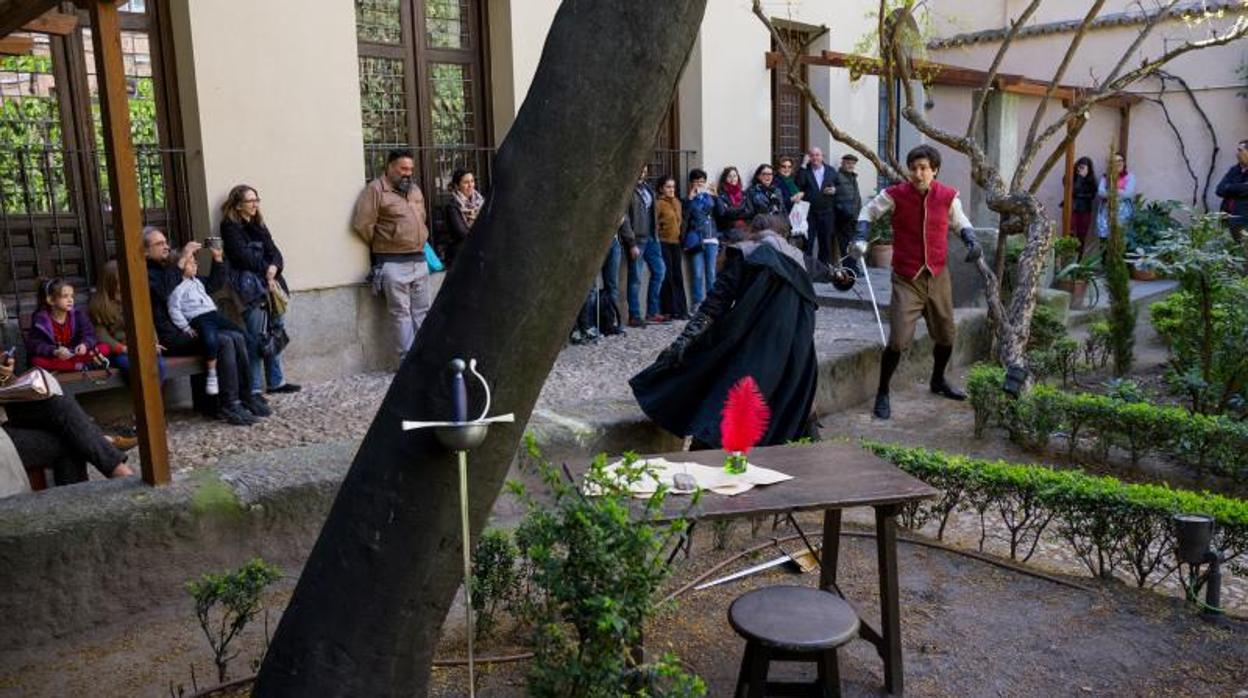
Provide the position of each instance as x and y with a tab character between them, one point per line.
1074	278
880	237
1066	250
1151	220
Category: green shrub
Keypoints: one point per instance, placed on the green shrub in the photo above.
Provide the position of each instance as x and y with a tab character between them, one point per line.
495	578
596	563
1046	328
1122	419
237	592
1107	523
1096	346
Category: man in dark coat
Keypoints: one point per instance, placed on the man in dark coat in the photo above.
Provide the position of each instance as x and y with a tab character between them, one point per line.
1234	191
237	404
818	184
759	321
639	236
848	202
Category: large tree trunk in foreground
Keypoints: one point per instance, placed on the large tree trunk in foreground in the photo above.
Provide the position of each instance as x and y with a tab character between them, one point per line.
367	612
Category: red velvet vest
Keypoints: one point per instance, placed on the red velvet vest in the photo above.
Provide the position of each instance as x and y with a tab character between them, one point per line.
920	227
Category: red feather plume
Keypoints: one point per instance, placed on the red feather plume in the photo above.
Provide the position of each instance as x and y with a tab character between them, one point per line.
745	416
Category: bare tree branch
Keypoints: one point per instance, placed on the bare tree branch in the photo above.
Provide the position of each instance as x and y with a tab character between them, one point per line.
1111	89
1038	117
978	111
795	78
1153	21
1071	134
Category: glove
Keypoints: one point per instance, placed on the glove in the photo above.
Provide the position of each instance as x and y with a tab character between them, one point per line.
973	249
674	354
858	247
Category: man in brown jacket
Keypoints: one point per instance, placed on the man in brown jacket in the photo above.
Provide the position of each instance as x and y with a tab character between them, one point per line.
390	217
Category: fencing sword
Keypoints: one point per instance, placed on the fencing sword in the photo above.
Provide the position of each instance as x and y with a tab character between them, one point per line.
866	276
804	555
461	436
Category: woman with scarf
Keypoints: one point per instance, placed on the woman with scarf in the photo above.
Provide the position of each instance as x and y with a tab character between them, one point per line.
461	213
764	195
733	211
1126	199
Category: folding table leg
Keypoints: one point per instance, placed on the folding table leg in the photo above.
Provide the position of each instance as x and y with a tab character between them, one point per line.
890	605
831	548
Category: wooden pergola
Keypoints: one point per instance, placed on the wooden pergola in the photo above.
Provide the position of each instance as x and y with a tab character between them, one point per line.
957	76
40	16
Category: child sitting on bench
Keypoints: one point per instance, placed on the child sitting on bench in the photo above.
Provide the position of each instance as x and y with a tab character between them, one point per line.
61	337
194	313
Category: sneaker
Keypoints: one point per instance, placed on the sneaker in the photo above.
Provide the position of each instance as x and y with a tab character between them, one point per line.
658	319
212	386
256	405
634	321
286	388
236	415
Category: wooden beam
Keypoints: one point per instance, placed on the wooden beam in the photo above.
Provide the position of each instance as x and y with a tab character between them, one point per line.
16	45
1068	195
1124	130
19	12
53	22
123	187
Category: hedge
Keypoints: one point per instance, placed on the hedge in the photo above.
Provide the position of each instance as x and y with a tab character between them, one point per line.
1108	524
1207	443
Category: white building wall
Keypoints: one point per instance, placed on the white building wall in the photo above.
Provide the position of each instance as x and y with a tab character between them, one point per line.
270	97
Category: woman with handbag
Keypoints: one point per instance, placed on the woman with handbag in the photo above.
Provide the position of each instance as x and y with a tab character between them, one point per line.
257	267
672	301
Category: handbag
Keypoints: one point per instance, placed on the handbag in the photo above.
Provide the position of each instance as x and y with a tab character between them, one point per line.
279	299
432	259
272	339
692	241
36	384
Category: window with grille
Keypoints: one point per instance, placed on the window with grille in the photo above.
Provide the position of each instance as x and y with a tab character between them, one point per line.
788	105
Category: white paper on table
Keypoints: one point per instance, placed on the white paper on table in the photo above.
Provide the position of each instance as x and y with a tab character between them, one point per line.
708	477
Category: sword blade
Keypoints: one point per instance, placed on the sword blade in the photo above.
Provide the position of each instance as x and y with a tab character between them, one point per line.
745	572
874	305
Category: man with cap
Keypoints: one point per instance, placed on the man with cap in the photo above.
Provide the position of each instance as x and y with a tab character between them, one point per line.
847	202
922	211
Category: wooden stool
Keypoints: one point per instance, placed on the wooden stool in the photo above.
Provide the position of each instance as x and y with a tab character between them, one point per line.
791	624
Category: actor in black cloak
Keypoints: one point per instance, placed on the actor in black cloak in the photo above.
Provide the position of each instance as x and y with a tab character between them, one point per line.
758	320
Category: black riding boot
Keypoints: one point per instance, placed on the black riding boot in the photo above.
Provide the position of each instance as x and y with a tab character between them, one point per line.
888	364
940	359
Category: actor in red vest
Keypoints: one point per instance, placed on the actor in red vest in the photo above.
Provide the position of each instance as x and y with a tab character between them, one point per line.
922	211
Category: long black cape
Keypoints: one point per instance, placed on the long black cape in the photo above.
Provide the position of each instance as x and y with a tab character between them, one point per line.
768	333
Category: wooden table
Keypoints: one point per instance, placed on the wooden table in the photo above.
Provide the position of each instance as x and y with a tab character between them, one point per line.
828	477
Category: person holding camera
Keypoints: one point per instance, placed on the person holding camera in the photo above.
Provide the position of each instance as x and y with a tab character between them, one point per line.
256	275
163	276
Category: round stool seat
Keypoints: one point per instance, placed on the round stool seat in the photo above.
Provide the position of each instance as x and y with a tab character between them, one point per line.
798	619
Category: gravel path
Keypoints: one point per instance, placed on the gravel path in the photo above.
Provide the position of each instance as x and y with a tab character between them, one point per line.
343	408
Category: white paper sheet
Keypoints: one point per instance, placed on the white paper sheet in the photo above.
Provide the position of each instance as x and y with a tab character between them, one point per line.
711	478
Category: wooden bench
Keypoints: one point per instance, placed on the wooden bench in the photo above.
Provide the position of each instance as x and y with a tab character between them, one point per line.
79	383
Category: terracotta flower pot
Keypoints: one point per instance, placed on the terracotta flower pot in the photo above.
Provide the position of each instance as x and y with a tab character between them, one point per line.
1077	288
1138	274
880	255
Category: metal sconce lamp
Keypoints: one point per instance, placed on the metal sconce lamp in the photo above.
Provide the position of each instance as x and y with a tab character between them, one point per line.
1193	534
1015	379
460	435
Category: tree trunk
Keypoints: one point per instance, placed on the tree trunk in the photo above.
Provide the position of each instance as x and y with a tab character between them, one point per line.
367	612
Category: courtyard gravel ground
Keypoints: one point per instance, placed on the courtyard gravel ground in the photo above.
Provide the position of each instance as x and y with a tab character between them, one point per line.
344	407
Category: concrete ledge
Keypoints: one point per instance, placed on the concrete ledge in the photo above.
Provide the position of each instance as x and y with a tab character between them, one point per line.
74	558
